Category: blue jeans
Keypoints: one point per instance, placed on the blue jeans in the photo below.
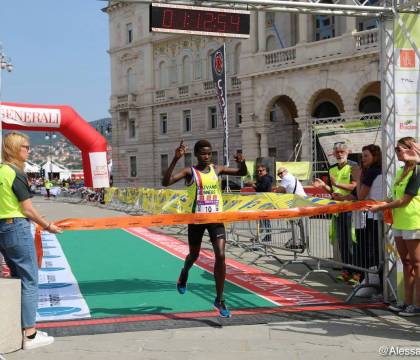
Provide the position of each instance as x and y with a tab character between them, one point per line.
18	248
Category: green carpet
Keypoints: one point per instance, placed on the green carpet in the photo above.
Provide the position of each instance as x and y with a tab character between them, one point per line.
120	274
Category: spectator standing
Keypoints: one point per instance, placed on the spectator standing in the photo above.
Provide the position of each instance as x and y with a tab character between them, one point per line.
366	249
405	205
341	183
48	186
264	183
16	240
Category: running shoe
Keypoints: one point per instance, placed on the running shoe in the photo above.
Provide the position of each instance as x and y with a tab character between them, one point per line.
410	310
220	306
181	285
397	307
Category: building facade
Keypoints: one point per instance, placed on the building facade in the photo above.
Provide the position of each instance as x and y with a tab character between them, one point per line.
293	68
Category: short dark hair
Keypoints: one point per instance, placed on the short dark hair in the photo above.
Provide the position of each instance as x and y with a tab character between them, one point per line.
201	144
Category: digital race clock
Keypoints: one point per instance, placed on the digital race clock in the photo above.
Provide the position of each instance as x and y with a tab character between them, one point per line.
199	20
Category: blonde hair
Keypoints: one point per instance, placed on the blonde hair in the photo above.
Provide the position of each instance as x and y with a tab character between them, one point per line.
409	165
12	144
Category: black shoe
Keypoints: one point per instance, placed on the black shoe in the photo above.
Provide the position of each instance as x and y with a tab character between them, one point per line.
181	285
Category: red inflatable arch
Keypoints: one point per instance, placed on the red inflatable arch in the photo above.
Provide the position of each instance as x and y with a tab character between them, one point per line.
68	122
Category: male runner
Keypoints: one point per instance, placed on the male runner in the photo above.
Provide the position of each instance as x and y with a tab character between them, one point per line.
203	185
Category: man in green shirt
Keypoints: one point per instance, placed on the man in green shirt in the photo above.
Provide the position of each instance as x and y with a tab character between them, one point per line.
340	183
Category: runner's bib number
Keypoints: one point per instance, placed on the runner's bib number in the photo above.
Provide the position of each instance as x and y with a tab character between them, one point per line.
207	207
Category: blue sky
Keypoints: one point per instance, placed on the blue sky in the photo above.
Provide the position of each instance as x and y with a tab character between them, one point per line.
58	50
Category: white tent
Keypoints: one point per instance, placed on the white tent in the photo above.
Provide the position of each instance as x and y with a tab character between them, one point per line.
31	167
59	171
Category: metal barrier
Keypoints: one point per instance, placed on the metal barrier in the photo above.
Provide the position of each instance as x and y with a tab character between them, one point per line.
352	241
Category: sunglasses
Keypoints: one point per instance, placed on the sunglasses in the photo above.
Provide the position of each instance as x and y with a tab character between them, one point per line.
261	170
27	147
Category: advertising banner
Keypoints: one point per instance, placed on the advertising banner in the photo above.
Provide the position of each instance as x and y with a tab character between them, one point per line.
31	117
407	92
407	78
299	169
218	66
99	168
59	293
354	134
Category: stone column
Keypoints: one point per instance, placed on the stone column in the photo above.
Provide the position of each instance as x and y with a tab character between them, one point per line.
249	139
263	142
261	31
304	127
303	28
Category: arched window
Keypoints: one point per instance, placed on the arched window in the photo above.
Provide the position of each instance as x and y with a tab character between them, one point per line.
186	69
236	59
131	81
370	105
326	110
163	75
271	43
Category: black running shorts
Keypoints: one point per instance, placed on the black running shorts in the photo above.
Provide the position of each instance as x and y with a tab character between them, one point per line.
196	232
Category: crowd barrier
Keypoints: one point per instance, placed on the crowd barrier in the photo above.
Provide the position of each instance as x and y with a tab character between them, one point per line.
317	233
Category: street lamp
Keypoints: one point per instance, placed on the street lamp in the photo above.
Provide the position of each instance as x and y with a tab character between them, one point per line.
5	64
50	136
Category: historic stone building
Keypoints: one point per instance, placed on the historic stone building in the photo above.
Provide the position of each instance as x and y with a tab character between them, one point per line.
292	69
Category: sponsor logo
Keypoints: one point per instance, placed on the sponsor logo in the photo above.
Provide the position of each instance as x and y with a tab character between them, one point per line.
218	62
31	116
58	310
54	285
100	170
408	125
52	269
407	58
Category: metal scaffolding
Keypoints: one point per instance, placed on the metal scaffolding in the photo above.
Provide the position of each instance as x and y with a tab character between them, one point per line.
317	7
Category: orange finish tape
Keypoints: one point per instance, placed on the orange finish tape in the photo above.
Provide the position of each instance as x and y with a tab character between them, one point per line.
223	217
177	219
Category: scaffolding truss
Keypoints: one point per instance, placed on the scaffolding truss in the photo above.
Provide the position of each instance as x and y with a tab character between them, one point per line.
366	8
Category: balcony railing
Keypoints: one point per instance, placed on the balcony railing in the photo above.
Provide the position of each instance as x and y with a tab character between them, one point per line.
366	39
235	82
122	99
126	101
160	95
280	57
183	90
345	45
208	85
